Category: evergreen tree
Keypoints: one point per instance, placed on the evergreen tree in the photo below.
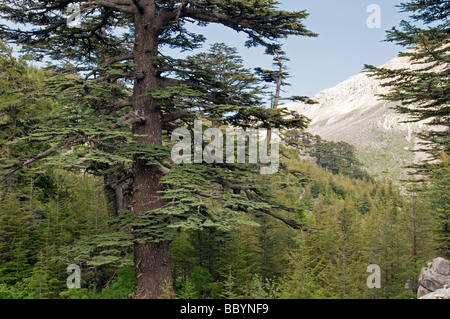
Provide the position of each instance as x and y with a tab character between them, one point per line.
229	287
308	279
16	239
19	108
416	223
438	199
386	246
278	78
105	57
423	89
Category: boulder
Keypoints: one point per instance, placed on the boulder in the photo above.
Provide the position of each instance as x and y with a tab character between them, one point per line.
441	266
432	280
443	293
435	279
422	292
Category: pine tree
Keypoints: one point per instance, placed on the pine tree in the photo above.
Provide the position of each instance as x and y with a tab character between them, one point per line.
16	234
228	289
416	222
422	90
308	278
386	245
438	198
278	78
422	93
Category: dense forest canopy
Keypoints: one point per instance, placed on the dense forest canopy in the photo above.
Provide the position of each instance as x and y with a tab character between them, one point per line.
88	177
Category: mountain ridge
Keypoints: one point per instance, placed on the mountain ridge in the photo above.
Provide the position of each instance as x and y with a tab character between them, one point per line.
353	112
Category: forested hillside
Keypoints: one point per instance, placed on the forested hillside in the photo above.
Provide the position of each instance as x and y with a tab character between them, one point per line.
92	176
52	217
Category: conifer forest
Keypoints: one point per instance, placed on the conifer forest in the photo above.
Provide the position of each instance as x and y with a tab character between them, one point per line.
139	162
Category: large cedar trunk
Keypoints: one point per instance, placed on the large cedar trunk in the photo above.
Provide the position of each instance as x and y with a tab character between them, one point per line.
153	276
151	259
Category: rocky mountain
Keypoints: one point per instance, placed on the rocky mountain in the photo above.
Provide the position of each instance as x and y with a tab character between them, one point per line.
353	112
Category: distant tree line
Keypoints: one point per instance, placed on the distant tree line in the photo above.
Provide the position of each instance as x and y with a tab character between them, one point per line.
337	157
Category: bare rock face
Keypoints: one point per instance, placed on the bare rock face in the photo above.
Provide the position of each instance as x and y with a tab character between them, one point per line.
443	293
353	112
435	280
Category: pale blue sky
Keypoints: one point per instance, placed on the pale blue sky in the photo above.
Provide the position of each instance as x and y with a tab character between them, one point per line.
343	46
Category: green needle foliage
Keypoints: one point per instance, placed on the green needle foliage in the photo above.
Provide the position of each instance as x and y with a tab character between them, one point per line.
438	199
423	89
423	93
113	74
88	179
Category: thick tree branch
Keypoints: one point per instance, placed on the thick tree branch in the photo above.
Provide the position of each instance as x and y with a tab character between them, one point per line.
169	82
55	148
132	118
165	17
119	58
139	6
238	24
163	169
214	17
119	105
252	197
291	223
119	5
175	115
107	78
243	188
113	60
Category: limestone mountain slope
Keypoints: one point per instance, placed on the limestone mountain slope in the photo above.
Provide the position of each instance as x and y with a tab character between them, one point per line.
353	112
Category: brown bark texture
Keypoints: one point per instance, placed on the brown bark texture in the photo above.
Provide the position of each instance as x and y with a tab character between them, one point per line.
151	259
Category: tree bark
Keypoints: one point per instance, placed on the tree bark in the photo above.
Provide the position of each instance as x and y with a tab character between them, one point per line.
151	259
276	101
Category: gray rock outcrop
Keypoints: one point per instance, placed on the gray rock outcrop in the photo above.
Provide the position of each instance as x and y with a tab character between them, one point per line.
435	280
353	112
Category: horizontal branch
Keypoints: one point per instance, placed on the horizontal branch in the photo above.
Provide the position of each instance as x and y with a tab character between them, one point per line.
215	17
163	169
169	127
237	24
119	105
238	187
113	60
175	115
119	58
119	5
164	82
46	153
250	196
132	118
